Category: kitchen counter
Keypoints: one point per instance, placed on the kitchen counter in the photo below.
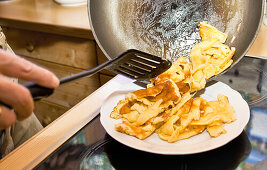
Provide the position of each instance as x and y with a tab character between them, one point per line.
46	16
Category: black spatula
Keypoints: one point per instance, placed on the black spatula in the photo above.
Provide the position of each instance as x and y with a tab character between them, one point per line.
132	63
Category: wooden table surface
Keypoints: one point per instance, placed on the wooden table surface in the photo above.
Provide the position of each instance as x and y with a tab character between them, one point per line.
46	16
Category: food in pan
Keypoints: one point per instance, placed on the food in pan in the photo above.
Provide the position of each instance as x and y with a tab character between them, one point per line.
210	57
167	106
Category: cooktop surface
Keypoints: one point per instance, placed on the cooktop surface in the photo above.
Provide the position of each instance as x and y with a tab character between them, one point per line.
93	148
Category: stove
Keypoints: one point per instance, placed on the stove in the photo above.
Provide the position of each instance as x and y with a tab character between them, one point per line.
92	148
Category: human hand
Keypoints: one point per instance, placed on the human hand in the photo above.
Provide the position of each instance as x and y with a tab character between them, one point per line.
16	95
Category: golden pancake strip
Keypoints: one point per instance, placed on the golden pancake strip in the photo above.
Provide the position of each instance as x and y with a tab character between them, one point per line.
166	106
210	57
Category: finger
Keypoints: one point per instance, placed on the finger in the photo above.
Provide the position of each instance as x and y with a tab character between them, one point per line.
18	97
14	66
7	117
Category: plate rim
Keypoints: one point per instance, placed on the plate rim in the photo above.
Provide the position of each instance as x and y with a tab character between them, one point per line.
130	87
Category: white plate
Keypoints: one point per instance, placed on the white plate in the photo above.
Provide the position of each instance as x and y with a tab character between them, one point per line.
196	144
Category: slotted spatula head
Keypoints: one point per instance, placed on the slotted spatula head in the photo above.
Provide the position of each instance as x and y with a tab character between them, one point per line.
139	65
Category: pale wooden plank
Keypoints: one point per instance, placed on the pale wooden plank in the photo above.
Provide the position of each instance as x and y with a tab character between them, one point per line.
47	112
46	16
75	52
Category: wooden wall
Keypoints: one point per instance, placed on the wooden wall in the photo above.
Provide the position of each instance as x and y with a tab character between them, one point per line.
64	56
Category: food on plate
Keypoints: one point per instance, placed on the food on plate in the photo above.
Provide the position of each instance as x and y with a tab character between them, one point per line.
140	108
195	116
167	106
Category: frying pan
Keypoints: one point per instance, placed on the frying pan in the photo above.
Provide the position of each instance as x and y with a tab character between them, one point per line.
168	28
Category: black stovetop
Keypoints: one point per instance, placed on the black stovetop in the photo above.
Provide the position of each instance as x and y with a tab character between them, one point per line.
92	148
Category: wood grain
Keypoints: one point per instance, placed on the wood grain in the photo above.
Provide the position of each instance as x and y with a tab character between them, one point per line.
62	55
70	51
46	16
102	58
48	112
104	78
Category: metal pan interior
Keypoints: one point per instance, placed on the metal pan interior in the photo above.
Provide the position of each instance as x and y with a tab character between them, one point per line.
168	28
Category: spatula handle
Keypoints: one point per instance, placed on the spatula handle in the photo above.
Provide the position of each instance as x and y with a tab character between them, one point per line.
36	91
86	73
